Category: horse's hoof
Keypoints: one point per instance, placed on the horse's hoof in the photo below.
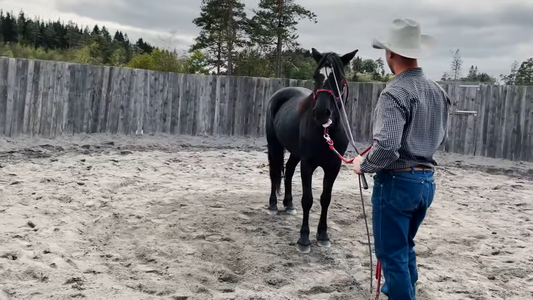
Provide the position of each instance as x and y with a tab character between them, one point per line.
303	249
290	211
324	244
272	212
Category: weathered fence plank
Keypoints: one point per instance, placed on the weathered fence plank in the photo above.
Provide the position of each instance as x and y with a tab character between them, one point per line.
28	98
11	95
20	97
4	86
49	99
526	152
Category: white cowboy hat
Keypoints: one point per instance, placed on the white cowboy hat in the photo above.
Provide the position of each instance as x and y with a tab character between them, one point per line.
404	38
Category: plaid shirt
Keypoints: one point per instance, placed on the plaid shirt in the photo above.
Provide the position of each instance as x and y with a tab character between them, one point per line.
410	123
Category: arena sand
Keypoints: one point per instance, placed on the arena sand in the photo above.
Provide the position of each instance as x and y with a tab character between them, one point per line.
104	217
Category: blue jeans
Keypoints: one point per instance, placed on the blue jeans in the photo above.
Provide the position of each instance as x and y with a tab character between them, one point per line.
399	204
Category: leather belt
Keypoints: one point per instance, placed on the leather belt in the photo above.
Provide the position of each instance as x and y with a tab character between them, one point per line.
417	168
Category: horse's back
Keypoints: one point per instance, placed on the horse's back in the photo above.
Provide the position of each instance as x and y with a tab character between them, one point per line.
285	95
285	115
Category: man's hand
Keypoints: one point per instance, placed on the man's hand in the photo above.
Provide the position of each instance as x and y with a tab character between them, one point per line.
357	164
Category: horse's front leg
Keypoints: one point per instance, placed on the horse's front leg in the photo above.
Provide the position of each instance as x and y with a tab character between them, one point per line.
330	175
306	168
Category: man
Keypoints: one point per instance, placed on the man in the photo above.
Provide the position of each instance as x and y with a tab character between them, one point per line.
411	121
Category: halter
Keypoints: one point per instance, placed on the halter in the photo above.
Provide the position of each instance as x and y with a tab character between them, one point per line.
343	93
345	124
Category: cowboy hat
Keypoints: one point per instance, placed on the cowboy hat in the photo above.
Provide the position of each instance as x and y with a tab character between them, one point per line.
404	38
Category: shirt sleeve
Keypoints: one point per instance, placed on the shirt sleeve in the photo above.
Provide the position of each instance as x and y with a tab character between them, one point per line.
390	118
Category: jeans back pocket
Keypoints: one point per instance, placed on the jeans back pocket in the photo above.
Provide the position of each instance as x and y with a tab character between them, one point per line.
406	191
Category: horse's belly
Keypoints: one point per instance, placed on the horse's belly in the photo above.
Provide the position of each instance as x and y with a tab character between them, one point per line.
287	126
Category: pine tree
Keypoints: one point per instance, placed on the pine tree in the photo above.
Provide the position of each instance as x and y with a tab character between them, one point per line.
457	63
73	35
524	74
223	26
274	26
8	28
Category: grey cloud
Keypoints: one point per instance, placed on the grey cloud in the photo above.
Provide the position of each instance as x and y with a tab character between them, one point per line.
512	15
485	38
345	25
161	15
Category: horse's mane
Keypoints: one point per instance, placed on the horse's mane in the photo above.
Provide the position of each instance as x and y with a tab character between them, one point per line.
335	63
306	104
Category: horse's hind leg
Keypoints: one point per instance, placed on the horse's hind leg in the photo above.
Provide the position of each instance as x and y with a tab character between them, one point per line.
276	159
290	167
330	174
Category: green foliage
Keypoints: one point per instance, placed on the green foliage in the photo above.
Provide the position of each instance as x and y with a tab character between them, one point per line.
520	74
20	51
271	21
250	62
197	63
510	78
369	66
143	61
368	70
273	28
357	64
86	54
475	76
54	40
247	47
524	75
223	24
159	60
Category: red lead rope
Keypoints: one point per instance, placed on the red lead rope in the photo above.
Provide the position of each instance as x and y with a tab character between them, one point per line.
349	161
330	143
378	277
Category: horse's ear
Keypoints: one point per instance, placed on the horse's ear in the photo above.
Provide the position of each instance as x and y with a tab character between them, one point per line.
346	58
317	56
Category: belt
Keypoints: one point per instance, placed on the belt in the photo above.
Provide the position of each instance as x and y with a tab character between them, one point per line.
417	168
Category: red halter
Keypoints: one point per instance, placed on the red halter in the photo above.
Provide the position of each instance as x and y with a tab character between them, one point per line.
344	91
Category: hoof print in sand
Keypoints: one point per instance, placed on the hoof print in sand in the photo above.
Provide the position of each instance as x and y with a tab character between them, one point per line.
77	283
276	281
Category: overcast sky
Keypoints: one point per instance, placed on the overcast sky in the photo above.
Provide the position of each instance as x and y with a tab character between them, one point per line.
489	34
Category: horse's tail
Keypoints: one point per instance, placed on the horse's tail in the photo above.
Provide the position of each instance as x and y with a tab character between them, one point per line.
276	151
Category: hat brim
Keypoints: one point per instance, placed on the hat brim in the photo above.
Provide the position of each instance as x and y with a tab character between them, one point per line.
427	44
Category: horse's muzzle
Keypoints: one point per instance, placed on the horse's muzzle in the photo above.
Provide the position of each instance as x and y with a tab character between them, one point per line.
321	116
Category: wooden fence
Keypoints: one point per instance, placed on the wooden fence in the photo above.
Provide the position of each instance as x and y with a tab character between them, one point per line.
48	99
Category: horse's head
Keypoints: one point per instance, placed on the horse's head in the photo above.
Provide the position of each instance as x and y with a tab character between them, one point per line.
330	84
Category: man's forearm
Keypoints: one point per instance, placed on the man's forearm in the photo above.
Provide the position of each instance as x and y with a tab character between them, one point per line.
378	158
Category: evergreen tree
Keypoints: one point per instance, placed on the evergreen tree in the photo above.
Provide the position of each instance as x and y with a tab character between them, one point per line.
524	74
274	26
8	28
475	76
223	27
73	35
510	79
226	42
457	63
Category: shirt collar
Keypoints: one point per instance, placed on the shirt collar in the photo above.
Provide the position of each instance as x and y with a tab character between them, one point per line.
415	72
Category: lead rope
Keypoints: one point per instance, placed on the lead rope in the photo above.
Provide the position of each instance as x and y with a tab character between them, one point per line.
348	132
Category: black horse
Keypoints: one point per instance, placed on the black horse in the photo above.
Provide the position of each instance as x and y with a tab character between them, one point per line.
294	121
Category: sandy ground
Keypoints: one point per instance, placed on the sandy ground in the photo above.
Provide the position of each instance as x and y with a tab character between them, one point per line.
102	217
